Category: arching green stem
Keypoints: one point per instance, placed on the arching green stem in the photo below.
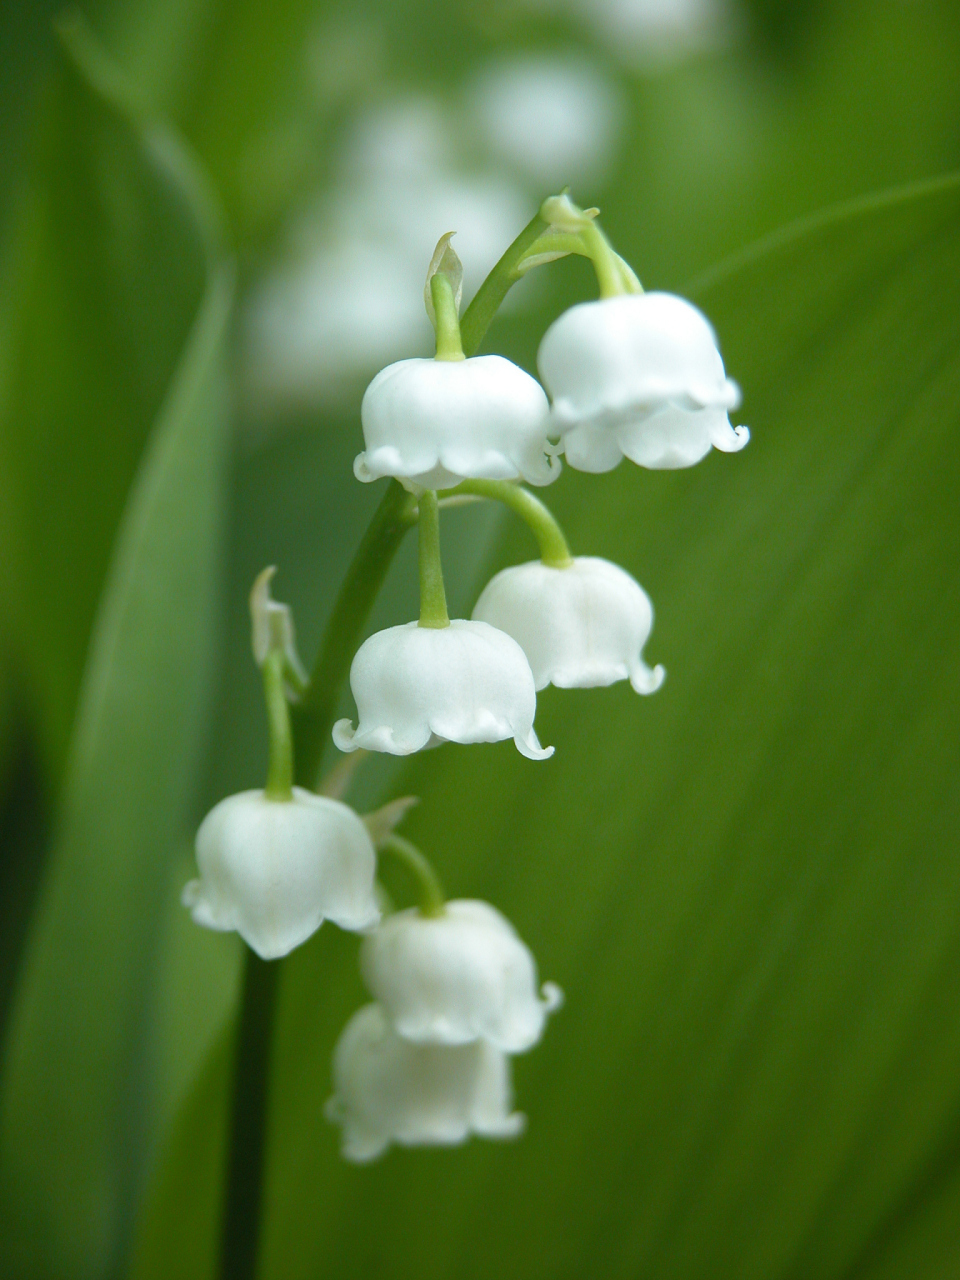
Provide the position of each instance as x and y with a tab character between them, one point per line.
431	899
433	598
541	521
606	264
280	770
475	321
315	714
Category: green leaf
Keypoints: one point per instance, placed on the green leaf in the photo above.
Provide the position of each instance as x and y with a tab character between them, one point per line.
104	274
75	1125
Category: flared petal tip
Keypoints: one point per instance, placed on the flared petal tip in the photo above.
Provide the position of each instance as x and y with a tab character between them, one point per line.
190	894
344	736
543	470
383	738
552	997
530	747
733	441
361	470
195	900
646	681
512	1126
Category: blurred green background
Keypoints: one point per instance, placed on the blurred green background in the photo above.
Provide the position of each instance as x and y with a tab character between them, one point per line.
215	222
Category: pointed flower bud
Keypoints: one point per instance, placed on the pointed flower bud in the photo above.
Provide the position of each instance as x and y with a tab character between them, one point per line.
387	1089
274	870
416	686
580	626
437	422
456	977
638	376
445	261
272	627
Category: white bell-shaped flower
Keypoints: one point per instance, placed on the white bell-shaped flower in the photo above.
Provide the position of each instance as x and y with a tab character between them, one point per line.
459	976
437	422
388	1089
638	376
416	686
580	626
274	870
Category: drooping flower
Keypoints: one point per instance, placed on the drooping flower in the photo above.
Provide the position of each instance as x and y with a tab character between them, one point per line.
388	1089
274	870
456	977
638	376
580	626
416	686
437	422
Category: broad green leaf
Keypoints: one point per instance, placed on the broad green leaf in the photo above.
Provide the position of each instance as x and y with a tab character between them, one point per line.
77	1087
104	271
746	884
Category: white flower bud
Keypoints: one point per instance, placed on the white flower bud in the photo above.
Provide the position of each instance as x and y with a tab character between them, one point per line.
580	626
436	422
457	977
274	870
387	1089
415	686
638	376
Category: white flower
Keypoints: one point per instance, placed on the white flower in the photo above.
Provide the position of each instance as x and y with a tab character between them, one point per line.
415	686
437	422
387	1089
457	977
580	626
275	869
638	376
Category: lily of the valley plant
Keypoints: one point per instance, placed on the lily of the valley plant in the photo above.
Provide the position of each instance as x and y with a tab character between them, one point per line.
455	990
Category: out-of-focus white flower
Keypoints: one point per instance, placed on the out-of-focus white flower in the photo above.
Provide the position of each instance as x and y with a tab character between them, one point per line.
638	376
415	686
580	626
437	422
274	870
554	119
647	33
388	1089
456	977
348	295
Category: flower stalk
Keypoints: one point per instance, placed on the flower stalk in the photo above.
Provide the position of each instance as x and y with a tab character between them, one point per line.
433	598
280	769
554	550
430	891
446	320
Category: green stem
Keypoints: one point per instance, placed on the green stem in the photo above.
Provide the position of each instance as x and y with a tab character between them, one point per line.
605	262
486	301
447	323
433	598
280	769
431	891
313	717
554	550
240	1241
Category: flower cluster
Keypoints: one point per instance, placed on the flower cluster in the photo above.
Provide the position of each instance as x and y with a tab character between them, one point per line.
456	994
630	375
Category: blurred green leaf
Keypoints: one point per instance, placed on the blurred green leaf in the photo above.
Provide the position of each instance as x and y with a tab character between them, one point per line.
105	271
120	223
